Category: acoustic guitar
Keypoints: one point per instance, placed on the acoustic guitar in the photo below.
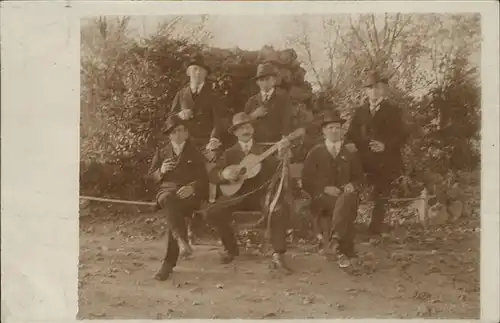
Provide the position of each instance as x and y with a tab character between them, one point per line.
251	166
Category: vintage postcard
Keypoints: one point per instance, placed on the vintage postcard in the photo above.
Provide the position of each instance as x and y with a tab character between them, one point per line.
250	160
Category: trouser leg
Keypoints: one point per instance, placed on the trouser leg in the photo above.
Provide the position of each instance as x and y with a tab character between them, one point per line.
172	254
222	222
279	221
380	207
176	212
344	216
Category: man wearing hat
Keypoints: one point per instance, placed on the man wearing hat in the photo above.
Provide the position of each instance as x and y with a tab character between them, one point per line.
250	196
270	107
178	169
377	131
201	108
331	176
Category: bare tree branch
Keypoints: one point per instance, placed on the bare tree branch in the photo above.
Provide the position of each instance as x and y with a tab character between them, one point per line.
375	32
358	37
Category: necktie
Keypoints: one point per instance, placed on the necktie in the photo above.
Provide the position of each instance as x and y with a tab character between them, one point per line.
333	151
374	107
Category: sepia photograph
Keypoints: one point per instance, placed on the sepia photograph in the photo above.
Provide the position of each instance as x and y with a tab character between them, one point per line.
284	166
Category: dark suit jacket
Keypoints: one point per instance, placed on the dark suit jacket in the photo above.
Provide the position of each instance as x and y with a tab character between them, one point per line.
278	121
321	170
190	167
233	156
386	126
210	116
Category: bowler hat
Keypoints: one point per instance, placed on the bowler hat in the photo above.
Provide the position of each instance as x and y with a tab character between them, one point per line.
265	69
332	116
374	78
172	122
240	119
198	60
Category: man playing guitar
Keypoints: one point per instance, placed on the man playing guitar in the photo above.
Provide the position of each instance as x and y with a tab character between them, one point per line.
253	195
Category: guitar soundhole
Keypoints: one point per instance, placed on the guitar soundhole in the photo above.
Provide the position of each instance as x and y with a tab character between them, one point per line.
243	171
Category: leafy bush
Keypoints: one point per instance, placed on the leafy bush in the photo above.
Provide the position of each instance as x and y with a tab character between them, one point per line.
124	97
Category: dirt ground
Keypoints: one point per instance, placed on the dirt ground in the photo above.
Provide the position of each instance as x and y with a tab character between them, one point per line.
411	273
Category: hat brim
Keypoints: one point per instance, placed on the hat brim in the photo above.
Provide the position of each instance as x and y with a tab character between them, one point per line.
341	121
274	62
169	129
257	77
236	126
204	66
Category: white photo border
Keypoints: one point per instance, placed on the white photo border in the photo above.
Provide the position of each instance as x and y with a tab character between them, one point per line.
40	52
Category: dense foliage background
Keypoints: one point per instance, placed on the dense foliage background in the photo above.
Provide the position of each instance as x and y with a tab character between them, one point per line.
127	81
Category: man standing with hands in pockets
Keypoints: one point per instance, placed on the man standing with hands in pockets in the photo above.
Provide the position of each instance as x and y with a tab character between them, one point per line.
178	169
377	131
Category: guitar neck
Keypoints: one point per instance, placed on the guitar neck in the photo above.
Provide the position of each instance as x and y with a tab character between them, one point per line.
267	153
274	147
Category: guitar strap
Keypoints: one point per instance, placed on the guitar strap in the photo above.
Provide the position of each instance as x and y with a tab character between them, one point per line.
277	195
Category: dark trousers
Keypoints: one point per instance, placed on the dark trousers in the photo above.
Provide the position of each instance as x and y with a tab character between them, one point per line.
337	215
382	186
222	222
176	212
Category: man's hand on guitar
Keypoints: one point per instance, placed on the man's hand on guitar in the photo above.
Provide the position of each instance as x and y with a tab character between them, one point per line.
332	191
185	192
167	166
284	144
231	174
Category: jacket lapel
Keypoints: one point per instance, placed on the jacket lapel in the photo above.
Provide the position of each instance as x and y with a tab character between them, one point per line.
187	98
271	101
258	99
185	155
167	152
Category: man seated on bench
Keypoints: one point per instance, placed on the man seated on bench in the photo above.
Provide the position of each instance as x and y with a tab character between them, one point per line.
331	175
178	168
250	196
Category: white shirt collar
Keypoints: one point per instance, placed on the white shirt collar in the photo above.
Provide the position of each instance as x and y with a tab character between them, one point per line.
246	146
267	95
196	89
178	148
337	144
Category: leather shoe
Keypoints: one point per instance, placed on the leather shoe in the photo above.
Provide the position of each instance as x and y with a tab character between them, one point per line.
185	250
379	229
164	272
227	258
279	263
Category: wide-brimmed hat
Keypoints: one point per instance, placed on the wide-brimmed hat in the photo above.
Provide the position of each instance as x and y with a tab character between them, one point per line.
331	116
374	78
265	69
240	119
172	122
198	60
